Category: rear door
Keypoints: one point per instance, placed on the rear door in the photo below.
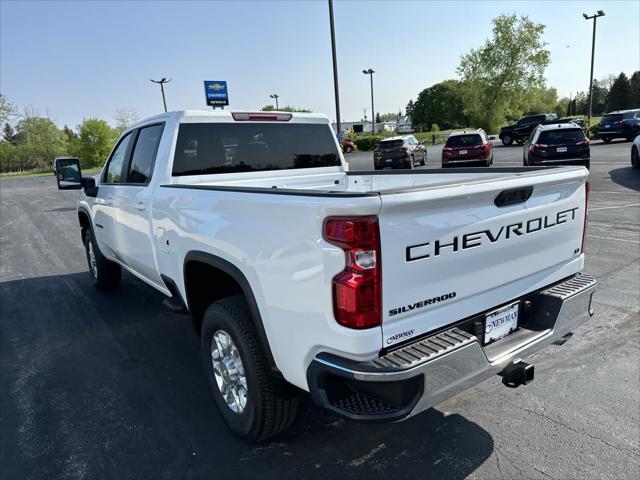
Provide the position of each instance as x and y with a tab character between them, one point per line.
450	253
133	231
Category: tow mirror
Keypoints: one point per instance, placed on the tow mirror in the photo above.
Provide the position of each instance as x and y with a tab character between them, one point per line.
68	174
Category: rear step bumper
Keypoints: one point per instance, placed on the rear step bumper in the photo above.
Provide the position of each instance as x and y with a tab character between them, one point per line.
422	374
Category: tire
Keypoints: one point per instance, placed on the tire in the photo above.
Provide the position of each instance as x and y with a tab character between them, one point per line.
270	404
519	141
105	274
634	133
507	140
412	163
348	149
635	157
423	162
606	139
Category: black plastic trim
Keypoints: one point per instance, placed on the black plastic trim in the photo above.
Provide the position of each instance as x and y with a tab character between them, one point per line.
274	191
513	196
238	276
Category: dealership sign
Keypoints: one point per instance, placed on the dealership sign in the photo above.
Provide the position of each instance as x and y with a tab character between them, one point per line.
216	93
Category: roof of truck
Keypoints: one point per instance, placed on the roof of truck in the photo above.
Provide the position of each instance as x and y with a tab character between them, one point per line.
226	115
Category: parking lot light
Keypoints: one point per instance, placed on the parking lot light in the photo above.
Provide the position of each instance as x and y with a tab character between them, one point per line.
599	13
275	96
370	72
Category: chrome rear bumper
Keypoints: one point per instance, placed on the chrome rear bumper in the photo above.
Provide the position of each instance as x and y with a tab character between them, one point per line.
426	372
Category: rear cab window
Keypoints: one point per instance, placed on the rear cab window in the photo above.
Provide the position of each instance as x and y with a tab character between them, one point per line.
144	154
391	143
468	140
565	136
210	148
616	117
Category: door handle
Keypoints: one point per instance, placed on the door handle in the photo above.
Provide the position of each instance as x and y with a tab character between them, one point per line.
141	206
108	201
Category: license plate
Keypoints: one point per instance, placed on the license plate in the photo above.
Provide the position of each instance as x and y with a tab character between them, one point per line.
607	126
561	149
388	160
501	322
463	152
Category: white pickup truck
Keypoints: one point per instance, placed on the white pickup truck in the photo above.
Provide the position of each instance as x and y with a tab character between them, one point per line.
380	293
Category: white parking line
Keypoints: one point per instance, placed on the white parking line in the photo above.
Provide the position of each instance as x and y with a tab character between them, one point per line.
617	193
615	206
616	239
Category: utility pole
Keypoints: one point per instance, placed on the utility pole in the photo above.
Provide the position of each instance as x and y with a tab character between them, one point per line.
162	81
275	96
370	72
599	13
335	70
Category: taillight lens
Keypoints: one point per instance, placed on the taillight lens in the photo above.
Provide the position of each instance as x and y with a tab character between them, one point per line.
582	143
356	290
586	216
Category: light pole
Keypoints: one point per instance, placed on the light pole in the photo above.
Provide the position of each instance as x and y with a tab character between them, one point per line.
370	72
599	13
275	96
335	69
162	81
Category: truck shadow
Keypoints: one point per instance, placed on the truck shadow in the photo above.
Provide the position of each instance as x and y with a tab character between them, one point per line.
111	385
627	177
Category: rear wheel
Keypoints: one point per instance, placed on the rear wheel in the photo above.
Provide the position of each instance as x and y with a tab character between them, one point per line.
635	157
635	131
105	274
253	403
348	149
507	140
606	139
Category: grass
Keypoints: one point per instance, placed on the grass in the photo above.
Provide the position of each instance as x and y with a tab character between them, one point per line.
41	173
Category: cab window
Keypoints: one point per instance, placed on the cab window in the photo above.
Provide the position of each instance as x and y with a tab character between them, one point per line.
113	172
144	154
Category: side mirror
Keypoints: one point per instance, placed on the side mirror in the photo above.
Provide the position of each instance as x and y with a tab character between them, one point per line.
492	137
68	174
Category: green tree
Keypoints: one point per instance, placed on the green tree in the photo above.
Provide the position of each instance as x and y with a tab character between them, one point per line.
124	118
95	141
7	110
440	104
288	108
378	118
409	109
620	96
9	134
497	76
389	117
635	89
38	140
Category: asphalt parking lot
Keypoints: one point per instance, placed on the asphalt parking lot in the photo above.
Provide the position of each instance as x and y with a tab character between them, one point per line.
97	385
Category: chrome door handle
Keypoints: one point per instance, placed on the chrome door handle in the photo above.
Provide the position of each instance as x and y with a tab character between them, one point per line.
109	201
141	206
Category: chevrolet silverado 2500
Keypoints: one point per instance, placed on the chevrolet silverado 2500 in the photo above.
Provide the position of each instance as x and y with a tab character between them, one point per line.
380	293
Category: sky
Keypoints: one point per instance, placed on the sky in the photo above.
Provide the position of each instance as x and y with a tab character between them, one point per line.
71	60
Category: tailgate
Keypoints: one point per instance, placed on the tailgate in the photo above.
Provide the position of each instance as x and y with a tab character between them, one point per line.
449	252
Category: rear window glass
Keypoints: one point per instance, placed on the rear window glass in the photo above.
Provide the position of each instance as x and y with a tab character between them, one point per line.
560	137
616	117
391	143
464	140
206	148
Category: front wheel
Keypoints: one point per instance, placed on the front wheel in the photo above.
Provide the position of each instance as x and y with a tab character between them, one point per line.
252	402
348	149
606	139
634	133
105	274
507	140
635	157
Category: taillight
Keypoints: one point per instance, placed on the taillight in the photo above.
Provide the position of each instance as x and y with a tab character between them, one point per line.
586	216
261	117
582	143
356	290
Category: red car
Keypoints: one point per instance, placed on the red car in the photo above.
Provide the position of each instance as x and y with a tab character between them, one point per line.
466	149
348	146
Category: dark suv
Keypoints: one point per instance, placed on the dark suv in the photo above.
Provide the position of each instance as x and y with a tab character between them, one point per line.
399	152
619	124
557	144
521	130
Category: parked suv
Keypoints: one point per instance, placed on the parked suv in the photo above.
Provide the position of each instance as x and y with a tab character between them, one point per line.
465	149
620	124
399	152
521	130
557	144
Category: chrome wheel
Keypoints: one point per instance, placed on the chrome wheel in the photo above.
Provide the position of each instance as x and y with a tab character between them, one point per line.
92	260
229	371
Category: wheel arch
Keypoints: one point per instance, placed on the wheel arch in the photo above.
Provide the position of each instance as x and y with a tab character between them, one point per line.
230	281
